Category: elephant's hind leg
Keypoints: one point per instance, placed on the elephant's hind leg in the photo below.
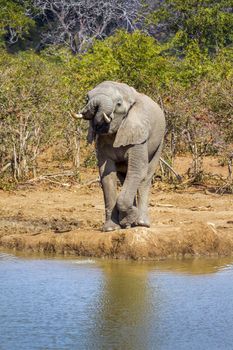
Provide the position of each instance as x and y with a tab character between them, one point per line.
142	201
144	190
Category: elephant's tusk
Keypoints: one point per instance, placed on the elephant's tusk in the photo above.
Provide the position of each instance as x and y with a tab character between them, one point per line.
76	115
107	119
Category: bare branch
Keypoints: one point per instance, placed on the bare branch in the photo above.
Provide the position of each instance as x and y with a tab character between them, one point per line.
78	23
179	178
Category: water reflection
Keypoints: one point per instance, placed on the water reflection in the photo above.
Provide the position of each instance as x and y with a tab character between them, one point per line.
123	316
80	304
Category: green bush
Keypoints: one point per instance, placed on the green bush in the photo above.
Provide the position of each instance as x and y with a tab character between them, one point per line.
13	21
207	22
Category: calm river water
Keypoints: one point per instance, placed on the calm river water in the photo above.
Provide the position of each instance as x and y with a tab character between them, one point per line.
56	304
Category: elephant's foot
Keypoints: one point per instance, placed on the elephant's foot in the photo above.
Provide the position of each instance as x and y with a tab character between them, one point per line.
110	226
128	219
143	221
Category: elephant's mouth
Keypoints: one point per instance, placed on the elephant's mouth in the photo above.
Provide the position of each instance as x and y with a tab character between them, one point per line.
101	123
102	128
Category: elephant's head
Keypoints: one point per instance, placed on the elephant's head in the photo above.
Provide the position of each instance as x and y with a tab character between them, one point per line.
107	109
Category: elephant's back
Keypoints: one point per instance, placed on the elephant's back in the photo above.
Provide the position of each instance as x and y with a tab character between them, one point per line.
113	85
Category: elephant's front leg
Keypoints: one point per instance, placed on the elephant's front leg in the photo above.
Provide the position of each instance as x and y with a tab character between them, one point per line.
136	172
108	179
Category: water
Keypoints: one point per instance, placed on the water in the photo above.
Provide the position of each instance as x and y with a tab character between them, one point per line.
58	304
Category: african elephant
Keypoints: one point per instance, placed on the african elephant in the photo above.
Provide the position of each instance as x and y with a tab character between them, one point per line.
128	128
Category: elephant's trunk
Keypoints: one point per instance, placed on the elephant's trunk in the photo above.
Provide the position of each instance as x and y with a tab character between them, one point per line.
100	107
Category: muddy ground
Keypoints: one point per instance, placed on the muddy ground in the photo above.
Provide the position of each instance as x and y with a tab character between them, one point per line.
69	220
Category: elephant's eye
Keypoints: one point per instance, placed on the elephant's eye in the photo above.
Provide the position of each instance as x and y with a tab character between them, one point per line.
119	103
87	99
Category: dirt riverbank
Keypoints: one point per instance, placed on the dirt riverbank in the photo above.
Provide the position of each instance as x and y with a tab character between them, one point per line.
68	221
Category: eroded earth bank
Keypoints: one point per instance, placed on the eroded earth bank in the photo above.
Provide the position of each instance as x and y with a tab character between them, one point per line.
69	220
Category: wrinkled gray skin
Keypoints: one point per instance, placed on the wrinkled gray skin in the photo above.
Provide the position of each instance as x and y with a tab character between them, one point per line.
128	147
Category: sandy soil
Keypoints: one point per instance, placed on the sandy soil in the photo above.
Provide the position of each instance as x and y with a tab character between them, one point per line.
69	221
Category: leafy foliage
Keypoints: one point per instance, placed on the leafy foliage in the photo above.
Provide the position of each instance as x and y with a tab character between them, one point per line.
208	22
14	22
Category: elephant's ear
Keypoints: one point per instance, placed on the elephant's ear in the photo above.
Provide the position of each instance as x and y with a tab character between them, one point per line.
90	134
134	128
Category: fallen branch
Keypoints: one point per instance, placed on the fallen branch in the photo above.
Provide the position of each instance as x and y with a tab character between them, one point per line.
47	178
52	178
57	182
51	175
